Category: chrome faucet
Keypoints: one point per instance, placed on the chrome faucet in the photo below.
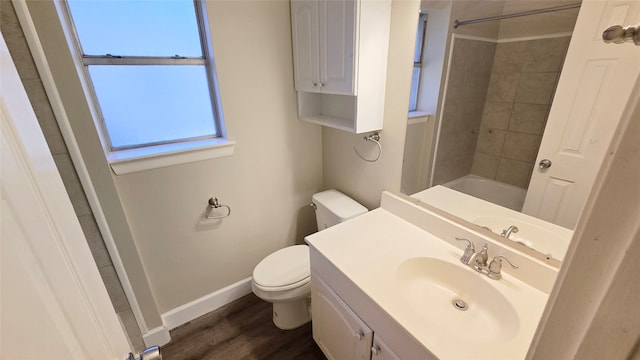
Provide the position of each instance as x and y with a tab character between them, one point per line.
478	260
508	231
469	251
494	271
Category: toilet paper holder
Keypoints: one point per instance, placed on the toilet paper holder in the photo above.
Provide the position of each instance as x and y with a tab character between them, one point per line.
213	203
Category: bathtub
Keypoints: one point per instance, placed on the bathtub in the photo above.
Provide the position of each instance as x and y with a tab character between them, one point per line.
509	196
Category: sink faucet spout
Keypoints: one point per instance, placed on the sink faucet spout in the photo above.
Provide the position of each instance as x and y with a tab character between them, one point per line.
508	231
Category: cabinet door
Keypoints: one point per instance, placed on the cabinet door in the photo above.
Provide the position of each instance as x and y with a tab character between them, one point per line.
337	330
381	351
305	37
337	46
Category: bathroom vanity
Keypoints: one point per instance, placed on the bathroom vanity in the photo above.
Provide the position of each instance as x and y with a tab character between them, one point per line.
389	284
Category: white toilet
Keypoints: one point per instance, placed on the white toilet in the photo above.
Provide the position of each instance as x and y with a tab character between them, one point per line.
283	277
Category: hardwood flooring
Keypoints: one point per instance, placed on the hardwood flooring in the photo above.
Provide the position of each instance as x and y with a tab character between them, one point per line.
240	330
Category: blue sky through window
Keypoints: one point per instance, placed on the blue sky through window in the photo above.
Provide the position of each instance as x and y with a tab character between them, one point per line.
153	103
137	27
160	100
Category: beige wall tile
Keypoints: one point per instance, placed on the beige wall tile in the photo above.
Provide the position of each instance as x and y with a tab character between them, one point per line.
519	146
116	293
546	55
536	88
16	42
491	141
510	57
47	120
496	115
503	87
485	165
529	118
455	168
72	184
95	241
128	321
514	172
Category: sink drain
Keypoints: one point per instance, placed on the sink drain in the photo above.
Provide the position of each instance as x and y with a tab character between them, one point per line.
460	304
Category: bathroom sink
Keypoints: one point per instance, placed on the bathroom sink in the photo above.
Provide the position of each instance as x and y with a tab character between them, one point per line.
456	300
553	241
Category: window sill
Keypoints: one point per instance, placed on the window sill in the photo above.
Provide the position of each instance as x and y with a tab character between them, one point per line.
154	157
415	114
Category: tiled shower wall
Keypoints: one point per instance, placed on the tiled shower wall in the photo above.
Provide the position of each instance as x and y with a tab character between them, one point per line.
467	85
21	55
523	81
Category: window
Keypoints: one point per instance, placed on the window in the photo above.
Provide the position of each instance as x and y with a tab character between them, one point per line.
150	71
417	62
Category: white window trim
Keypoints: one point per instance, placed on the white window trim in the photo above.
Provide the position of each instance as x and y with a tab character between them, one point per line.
158	156
154	156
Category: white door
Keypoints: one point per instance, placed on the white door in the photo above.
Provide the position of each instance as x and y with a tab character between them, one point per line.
592	94
304	26
53	303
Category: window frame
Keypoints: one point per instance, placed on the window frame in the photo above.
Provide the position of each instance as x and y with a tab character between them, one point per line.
418	58
126	153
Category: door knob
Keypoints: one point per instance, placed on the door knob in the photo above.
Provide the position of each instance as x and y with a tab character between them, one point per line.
545	163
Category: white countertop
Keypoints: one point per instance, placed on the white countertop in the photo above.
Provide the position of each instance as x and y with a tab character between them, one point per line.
369	249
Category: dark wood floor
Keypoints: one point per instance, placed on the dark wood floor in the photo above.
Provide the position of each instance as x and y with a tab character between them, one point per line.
240	330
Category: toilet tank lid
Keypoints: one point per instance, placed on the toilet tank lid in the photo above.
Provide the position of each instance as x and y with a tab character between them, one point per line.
283	267
340	204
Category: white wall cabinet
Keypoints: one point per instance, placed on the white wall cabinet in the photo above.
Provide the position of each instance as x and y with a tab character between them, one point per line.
340	50
324	38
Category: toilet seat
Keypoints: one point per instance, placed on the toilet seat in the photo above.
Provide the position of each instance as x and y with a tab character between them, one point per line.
285	269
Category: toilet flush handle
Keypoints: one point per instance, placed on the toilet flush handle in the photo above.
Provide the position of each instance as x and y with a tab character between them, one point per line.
314	206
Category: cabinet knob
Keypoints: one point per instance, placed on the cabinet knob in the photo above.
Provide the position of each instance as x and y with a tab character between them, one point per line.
315	84
375	350
359	335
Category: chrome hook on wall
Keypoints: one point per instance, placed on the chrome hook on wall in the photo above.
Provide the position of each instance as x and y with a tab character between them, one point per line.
617	34
214	204
375	137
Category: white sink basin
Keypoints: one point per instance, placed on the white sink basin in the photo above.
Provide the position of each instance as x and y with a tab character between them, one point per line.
458	301
546	241
381	261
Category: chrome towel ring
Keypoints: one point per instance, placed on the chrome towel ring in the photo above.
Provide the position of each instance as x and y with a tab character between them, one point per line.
375	137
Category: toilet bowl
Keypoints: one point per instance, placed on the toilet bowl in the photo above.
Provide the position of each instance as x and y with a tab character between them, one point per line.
284	277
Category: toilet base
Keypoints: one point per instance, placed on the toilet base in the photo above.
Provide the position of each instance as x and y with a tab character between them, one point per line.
289	315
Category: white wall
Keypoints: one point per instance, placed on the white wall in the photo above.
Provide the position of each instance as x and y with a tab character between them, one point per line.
268	181
343	170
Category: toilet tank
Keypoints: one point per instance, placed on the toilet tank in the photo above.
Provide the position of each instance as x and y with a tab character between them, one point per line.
333	207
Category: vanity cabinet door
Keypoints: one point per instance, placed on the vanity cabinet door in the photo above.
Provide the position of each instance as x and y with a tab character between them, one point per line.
381	351
338	331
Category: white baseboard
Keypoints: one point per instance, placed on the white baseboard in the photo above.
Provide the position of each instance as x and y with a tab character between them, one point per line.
190	311
156	336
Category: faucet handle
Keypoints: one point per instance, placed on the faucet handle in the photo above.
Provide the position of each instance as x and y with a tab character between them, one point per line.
480	258
495	267
468	251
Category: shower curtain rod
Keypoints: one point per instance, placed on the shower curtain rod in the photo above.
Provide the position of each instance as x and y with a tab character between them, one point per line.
457	23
